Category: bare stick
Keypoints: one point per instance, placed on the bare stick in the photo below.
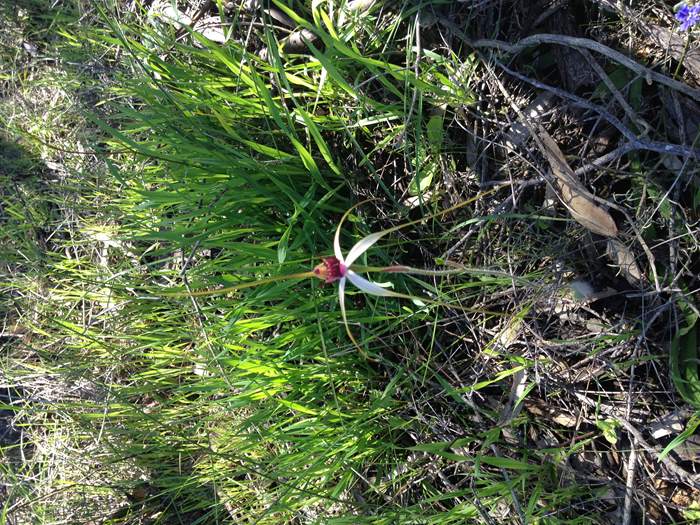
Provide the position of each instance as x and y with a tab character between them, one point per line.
592	45
631	468
658	147
605	159
615	92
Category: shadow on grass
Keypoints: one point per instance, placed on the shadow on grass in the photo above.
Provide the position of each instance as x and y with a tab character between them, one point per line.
17	163
9	397
19	168
35	16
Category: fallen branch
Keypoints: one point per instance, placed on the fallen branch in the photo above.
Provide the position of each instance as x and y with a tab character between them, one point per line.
535	133
663	38
635	143
592	45
691	479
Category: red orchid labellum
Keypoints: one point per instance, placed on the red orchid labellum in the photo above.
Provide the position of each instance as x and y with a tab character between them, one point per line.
330	270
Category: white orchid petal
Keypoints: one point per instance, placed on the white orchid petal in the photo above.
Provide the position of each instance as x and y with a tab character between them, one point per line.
368	286
362	246
341	298
336	245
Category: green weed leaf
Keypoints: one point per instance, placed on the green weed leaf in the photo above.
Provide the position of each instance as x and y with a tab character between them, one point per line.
684	359
690	429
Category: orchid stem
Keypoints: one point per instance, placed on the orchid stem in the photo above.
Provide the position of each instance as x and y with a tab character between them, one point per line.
241	286
455	270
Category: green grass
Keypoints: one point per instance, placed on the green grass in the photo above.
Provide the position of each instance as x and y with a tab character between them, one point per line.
214	167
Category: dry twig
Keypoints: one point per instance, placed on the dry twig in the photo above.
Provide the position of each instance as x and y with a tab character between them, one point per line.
629	483
592	45
635	142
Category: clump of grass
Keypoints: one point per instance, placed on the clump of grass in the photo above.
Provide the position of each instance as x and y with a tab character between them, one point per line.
256	401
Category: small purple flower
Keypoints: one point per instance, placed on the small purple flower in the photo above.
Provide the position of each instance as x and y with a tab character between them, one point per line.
688	16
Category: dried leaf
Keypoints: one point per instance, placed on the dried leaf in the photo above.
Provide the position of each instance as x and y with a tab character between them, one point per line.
296	41
585	211
564	419
573	195
165	12
417	200
623	257
668	424
359	6
542	410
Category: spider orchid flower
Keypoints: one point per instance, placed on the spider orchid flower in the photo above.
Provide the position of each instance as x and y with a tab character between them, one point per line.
339	268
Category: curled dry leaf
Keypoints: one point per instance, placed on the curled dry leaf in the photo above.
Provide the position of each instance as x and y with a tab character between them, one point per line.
296	41
584	210
212	29
573	195
623	257
165	12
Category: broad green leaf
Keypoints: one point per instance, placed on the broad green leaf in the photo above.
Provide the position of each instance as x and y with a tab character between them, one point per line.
684	360
435	131
609	429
